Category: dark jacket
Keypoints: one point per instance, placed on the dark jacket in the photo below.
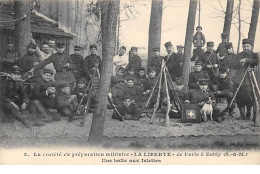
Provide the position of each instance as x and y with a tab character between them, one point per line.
156	62
221	50
173	63
224	84
89	64
78	63
135	62
27	61
194	78
210	58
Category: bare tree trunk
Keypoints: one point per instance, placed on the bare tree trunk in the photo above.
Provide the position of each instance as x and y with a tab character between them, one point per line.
155	27
254	20
109	13
228	17
188	41
23	32
239	26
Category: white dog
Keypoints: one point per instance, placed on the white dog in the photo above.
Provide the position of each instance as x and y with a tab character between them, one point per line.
207	109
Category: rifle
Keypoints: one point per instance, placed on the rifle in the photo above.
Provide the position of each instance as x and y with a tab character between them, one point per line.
167	119
148	98
158	96
114	107
176	100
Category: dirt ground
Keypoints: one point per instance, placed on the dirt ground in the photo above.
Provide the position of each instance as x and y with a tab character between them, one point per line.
231	133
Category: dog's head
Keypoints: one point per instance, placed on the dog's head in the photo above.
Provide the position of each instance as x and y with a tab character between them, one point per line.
208	101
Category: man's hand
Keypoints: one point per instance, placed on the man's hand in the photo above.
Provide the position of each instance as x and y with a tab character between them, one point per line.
243	60
51	90
218	92
209	66
14	105
33	41
215	65
215	87
67	65
23	107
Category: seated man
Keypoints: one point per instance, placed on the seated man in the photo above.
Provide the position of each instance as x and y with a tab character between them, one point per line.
43	98
67	103
13	97
130	74
223	87
184	98
128	110
118	92
201	96
119	75
141	77
196	75
133	91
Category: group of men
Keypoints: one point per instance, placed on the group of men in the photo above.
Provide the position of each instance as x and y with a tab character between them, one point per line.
57	84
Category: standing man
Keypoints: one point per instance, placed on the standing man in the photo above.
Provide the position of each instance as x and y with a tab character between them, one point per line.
180	50
91	62
30	59
52	46
198	41
10	57
173	61
245	59
210	61
156	60
78	61
62	64
135	62
221	50
120	60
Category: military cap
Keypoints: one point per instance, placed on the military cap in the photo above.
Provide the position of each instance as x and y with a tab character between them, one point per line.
47	70
130	78
93	46
60	45
247	41
31	45
10	41
77	48
223	70
156	49
180	46
121	69
62	85
127	96
224	35
210	43
120	80
167	44
134	48
198	27
123	47
141	69
152	69
198	62
203	81
81	80
131	68
228	45
16	69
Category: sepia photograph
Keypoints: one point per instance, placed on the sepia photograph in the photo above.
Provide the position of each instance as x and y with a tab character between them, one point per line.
129	82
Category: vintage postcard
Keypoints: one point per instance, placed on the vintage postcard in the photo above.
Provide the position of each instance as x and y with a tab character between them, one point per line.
129	82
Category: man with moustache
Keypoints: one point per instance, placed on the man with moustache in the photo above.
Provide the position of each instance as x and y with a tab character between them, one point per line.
10	57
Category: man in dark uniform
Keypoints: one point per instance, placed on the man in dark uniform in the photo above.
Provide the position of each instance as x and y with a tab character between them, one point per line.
196	75
229	59
131	74
141	77
118	91
90	62
135	61
43	98
10	58
119	75
13	96
223	87
62	64
78	61
201	96
128	110
29	60
173	61
210	61
180	50
221	50
156	60
245	59
133	91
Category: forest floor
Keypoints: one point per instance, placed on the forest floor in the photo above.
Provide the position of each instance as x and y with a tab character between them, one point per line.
231	134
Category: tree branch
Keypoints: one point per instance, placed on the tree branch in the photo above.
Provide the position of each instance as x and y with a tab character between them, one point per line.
222	7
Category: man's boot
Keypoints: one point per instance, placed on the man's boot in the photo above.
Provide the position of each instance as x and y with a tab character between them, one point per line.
18	116
242	113
248	112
